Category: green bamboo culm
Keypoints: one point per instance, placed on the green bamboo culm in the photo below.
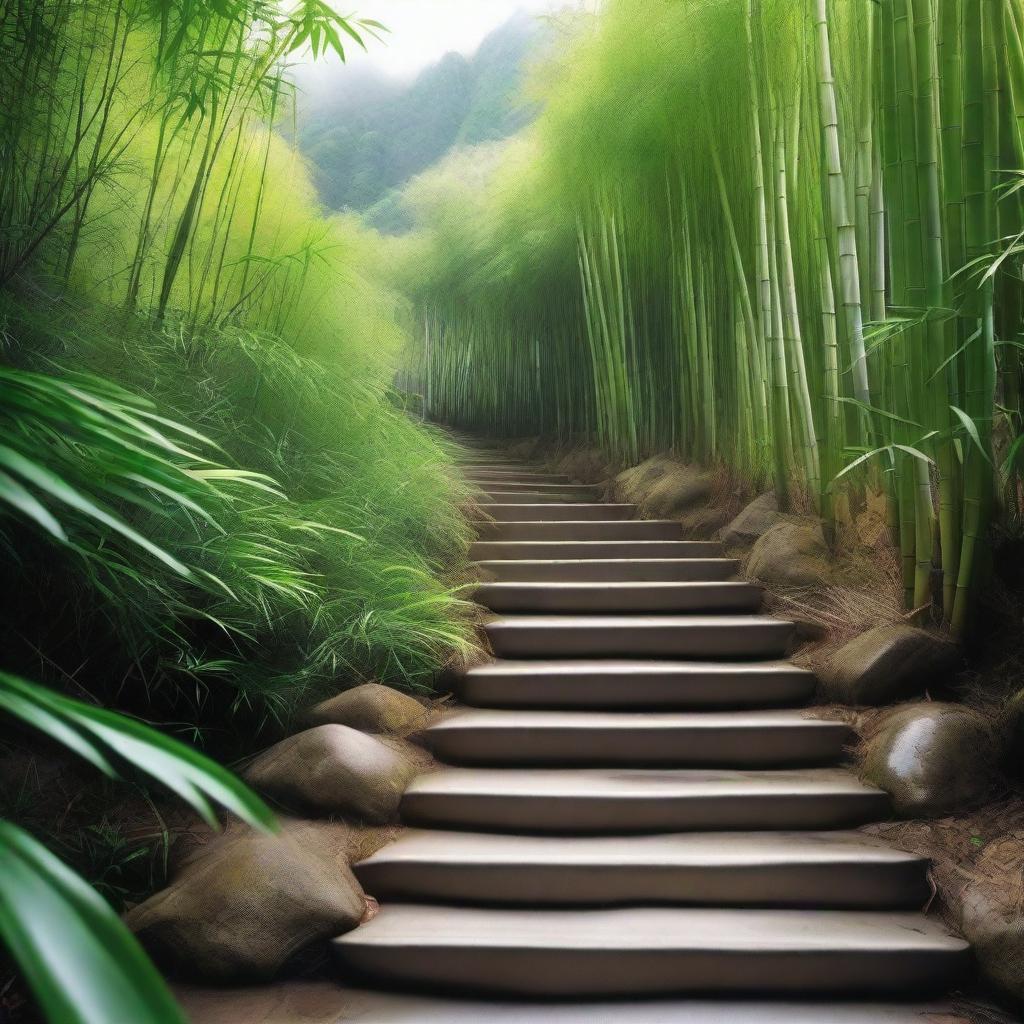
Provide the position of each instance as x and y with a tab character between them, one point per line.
779	236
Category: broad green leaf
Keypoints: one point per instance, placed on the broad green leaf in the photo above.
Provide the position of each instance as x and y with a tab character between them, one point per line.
82	963
95	733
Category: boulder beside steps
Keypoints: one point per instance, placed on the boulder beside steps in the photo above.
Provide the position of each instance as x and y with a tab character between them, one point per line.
634	806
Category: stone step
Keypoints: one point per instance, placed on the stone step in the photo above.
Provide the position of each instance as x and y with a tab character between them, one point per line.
630	529
609	570
554	512
620	597
326	1002
828	870
603	684
639	636
484	462
723	739
591	801
502	496
512	475
586	550
542	492
655	951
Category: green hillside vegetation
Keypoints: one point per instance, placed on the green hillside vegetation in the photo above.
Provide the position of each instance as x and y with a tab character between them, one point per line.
213	506
367	135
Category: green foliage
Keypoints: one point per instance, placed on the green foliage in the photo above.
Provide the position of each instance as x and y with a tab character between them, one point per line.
367	135
205	585
103	738
737	231
82	963
213	507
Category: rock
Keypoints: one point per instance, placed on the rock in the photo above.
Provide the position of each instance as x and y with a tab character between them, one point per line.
704	523
753	522
634	484
790	555
992	914
933	759
371	708
241	907
678	490
333	769
663	486
888	664
585	465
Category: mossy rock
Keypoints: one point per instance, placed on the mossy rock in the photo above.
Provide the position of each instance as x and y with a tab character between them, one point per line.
753	522
333	769
791	554
888	664
371	708
241	908
992	915
933	759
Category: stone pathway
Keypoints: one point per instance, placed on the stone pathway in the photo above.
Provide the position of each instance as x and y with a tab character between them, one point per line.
636	806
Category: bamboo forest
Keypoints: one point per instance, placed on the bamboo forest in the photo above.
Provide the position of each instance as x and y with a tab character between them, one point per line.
513	511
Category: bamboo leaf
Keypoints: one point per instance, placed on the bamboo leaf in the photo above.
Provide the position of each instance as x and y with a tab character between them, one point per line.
972	432
79	959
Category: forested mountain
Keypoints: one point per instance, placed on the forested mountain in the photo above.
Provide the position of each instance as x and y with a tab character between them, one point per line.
367	134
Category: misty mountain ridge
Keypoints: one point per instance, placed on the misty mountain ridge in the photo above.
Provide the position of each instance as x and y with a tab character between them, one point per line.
367	134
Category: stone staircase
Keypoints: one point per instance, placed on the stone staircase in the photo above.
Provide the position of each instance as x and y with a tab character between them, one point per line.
636	806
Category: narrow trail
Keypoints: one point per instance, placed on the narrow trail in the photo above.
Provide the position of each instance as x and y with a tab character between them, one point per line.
636	804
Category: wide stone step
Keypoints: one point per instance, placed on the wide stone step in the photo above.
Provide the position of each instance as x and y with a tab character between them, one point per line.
635	684
551	512
483	460
655	950
642	636
668	597
619	800
609	570
630	529
322	1002
492	475
541	492
827	870
586	550
733	739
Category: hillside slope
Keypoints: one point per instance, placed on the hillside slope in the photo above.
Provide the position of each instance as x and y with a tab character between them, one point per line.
367	134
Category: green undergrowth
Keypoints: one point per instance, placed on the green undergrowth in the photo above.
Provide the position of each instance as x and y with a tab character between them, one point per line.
287	529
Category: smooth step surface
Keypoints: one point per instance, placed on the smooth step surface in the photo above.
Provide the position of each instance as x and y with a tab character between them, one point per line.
609	570
321	1002
737	739
553	512
630	529
549	492
652	636
532	497
614	683
655	950
621	597
833	870
503	550
513	475
620	800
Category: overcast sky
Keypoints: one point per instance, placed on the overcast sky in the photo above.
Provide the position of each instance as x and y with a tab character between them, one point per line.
423	31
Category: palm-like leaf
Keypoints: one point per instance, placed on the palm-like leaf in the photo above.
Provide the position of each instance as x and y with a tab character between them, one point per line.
83	964
104	737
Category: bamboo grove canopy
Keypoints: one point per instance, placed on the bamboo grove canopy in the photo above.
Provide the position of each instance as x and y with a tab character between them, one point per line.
782	235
